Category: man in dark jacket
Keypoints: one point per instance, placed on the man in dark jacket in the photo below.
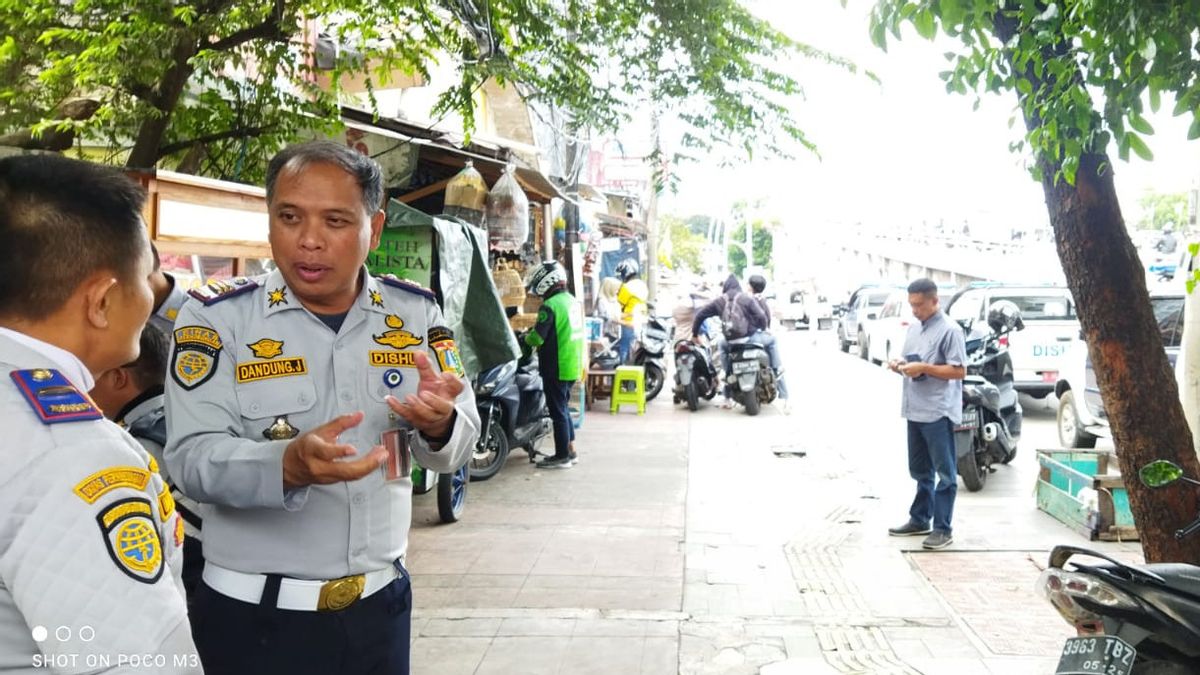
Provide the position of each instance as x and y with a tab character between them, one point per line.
731	291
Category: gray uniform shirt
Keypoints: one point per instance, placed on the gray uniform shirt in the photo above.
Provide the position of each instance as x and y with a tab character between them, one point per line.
245	363
164	317
149	407
938	341
89	545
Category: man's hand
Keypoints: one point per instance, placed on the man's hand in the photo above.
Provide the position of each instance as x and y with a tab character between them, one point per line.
913	369
431	410
315	457
894	365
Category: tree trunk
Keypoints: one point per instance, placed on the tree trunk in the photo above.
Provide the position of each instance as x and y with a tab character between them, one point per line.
1136	381
144	154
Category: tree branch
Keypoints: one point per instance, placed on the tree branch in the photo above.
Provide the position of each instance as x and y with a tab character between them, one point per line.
270	29
240	132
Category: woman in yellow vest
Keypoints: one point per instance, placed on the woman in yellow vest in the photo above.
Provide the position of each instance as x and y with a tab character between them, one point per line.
632	297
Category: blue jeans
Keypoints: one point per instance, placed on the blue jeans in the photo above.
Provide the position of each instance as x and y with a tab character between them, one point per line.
558	401
931	457
625	344
769	343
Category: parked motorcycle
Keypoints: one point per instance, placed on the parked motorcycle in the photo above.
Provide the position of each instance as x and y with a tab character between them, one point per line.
696	374
650	354
991	413
512	410
750	376
451	489
1130	619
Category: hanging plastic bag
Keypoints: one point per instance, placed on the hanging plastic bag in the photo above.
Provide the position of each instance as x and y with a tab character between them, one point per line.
466	195
507	218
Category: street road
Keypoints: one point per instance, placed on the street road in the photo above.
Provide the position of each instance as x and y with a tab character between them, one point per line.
683	542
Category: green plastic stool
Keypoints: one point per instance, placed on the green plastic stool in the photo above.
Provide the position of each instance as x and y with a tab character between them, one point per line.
635	376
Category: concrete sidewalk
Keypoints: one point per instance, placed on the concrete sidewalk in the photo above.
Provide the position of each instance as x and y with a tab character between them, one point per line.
694	543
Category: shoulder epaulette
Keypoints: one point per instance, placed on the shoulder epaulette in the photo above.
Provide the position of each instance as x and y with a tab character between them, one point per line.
406	285
224	289
53	397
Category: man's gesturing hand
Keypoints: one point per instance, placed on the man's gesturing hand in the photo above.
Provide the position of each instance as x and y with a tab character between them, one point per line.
315	457
431	409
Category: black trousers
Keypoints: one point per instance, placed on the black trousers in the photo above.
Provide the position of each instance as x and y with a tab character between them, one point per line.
370	637
558	397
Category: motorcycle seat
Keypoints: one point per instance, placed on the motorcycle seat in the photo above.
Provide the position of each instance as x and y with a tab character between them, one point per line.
1178	575
743	345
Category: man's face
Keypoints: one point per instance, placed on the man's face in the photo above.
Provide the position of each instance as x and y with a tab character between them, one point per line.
320	235
131	302
923	306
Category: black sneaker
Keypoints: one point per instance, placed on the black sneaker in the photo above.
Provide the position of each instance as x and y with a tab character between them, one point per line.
937	540
555	463
910	529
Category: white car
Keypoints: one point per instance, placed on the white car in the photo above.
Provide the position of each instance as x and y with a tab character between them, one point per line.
886	334
1051	326
1081	418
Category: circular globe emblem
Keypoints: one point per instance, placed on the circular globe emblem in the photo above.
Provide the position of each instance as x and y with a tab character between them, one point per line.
191	366
137	544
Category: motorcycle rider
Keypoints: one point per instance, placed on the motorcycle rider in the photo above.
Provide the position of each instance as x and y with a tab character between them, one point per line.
558	337
731	291
632	297
763	336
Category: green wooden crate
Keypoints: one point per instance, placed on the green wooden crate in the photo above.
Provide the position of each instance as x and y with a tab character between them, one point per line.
1065	474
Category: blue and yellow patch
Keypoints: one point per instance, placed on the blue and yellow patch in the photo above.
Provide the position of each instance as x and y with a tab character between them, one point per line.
53	397
132	540
197	352
214	292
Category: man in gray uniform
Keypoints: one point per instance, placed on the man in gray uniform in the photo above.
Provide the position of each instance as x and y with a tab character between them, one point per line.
132	396
89	536
293	403
168	296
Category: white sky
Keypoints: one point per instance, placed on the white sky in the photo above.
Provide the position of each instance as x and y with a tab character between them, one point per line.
904	150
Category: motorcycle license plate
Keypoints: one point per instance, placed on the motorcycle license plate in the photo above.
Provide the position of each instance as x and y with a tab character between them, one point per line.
740	367
1099	655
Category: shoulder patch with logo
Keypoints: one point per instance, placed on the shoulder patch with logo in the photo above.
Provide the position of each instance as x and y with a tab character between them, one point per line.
131	536
406	285
53	397
197	351
106	480
212	293
441	340
396	337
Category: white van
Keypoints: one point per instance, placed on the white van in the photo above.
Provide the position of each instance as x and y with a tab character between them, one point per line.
1051	327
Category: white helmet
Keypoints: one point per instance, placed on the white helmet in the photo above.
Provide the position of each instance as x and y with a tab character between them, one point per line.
545	278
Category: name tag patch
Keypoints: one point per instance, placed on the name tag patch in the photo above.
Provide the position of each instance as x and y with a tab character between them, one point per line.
265	370
392	359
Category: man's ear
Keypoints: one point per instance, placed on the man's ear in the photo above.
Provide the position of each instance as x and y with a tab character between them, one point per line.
377	221
98	293
118	378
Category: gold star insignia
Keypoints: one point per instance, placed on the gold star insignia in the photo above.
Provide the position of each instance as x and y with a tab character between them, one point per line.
277	297
376	298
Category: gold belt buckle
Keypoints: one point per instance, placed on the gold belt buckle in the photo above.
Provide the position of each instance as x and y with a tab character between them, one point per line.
338	594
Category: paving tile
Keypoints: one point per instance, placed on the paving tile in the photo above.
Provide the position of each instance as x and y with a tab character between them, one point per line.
448	655
536	627
603	655
460	628
660	656
524	655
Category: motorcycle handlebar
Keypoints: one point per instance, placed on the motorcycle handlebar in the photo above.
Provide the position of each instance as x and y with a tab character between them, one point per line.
1188	531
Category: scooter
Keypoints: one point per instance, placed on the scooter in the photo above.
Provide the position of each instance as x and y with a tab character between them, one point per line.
991	413
696	375
750	375
650	354
1129	619
451	489
512	410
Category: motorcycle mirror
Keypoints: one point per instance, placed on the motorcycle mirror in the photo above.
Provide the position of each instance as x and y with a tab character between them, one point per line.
1159	473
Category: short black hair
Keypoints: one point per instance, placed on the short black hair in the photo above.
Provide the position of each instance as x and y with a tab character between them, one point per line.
365	170
150	367
62	220
757	283
924	286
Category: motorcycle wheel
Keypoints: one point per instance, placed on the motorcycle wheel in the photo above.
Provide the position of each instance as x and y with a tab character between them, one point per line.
654	380
973	475
490	453
693	398
452	494
751	403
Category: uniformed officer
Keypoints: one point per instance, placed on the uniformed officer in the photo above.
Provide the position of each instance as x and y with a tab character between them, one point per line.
292	405
168	296
132	396
89	536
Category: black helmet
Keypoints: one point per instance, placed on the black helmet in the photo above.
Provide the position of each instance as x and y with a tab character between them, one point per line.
757	283
1004	315
627	269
